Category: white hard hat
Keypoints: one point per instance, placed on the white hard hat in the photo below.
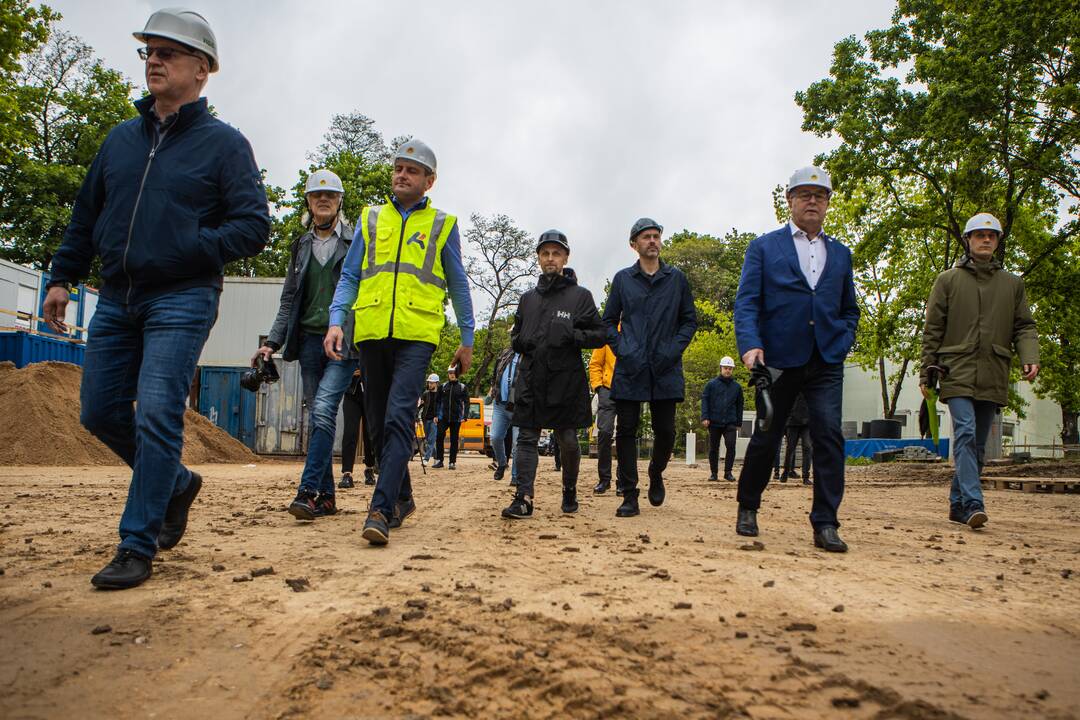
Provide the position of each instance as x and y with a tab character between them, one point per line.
184	26
983	221
726	361
418	152
810	175
324	180
433	378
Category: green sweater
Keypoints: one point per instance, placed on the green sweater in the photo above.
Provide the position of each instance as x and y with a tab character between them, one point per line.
318	294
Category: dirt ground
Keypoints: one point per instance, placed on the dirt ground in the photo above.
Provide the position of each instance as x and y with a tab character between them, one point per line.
464	614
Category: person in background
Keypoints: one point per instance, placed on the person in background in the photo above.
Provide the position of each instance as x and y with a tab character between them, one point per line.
502	408
454	401
722	416
429	410
798	430
601	370
352	406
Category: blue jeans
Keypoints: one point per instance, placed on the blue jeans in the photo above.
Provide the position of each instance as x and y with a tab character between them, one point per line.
325	382
431	431
500	425
971	420
140	361
822	384
394	372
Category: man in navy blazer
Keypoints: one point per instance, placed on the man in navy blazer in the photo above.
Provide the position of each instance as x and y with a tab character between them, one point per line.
796	311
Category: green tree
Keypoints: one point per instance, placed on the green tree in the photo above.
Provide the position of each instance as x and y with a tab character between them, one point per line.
23	28
712	265
958	108
68	103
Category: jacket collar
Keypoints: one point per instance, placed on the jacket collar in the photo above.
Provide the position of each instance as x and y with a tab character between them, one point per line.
187	114
663	271
546	283
421	204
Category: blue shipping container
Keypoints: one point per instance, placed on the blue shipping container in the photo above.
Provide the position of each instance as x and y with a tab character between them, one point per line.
23	348
226	404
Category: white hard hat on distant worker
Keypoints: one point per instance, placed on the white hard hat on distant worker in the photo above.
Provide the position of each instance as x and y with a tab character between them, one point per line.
726	361
433	378
186	27
418	152
983	221
810	175
324	179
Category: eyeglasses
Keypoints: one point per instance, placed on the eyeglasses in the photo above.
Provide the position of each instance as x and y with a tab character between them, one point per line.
323	194
165	54
806	195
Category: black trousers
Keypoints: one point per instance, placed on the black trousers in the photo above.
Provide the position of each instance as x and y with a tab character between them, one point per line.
795	435
727	433
823	385
352	406
528	456
628	418
454	428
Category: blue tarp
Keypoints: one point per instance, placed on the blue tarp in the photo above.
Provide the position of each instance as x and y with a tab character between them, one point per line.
867	448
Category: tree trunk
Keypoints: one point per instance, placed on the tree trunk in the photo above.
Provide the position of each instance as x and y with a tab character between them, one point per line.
884	386
896	388
1069	434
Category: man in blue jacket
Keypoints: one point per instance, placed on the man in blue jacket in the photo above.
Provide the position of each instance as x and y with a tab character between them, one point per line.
171	197
652	301
796	311
722	415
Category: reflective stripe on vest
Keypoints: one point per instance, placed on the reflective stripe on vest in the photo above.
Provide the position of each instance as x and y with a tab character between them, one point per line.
402	281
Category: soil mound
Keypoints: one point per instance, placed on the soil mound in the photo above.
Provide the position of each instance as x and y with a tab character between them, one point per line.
39	423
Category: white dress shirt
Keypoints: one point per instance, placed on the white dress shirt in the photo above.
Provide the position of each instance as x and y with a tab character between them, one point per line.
811	252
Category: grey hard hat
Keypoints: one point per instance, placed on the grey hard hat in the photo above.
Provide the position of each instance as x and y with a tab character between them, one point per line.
418	152
644	224
553	236
810	175
184	26
324	179
983	221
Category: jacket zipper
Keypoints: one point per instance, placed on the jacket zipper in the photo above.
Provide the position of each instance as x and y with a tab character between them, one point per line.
159	136
397	264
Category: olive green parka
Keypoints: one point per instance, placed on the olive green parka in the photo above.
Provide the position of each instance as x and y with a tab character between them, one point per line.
976	315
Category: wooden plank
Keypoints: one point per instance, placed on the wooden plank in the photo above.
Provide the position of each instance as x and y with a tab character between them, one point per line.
1034	485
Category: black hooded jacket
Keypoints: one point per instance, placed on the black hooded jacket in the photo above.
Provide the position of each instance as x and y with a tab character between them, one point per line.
554	322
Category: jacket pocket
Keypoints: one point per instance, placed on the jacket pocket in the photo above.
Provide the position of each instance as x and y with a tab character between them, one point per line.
1002	351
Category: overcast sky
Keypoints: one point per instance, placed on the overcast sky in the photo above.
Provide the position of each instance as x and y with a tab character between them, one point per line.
578	115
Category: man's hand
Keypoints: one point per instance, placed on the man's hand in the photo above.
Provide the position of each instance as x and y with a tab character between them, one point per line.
1030	371
55	307
463	359
705	423
752	355
264	352
335	336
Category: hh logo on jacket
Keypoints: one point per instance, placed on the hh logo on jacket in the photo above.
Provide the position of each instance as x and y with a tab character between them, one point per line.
562	314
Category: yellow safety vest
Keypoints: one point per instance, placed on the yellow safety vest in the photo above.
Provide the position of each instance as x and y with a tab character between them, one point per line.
402	280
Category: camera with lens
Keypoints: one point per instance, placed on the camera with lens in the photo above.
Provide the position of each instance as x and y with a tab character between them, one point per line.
265	371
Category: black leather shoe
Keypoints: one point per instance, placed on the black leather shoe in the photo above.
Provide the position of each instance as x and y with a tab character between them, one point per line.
127	570
656	488
828	539
629	507
569	500
807	481
437	464
500	470
956	514
176	514
369	476
713	478
346	481
746	522
601	487
729	477
402	510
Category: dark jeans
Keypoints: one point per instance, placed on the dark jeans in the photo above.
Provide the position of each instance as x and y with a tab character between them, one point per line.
823	385
527	457
795	435
330	379
352	406
628	415
727	433
455	429
140	361
394	373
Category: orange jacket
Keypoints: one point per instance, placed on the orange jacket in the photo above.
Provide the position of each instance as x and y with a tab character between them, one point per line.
601	367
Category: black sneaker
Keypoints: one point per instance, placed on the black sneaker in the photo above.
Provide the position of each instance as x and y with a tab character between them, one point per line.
500	470
376	529
656	488
127	569
976	518
346	481
453	466
325	505
402	510
303	507
569	500
176	514
437	464
729	477
713	478
369	476
520	509
956	515
784	477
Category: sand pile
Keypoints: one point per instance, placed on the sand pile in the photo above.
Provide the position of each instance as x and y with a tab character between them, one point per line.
39	423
